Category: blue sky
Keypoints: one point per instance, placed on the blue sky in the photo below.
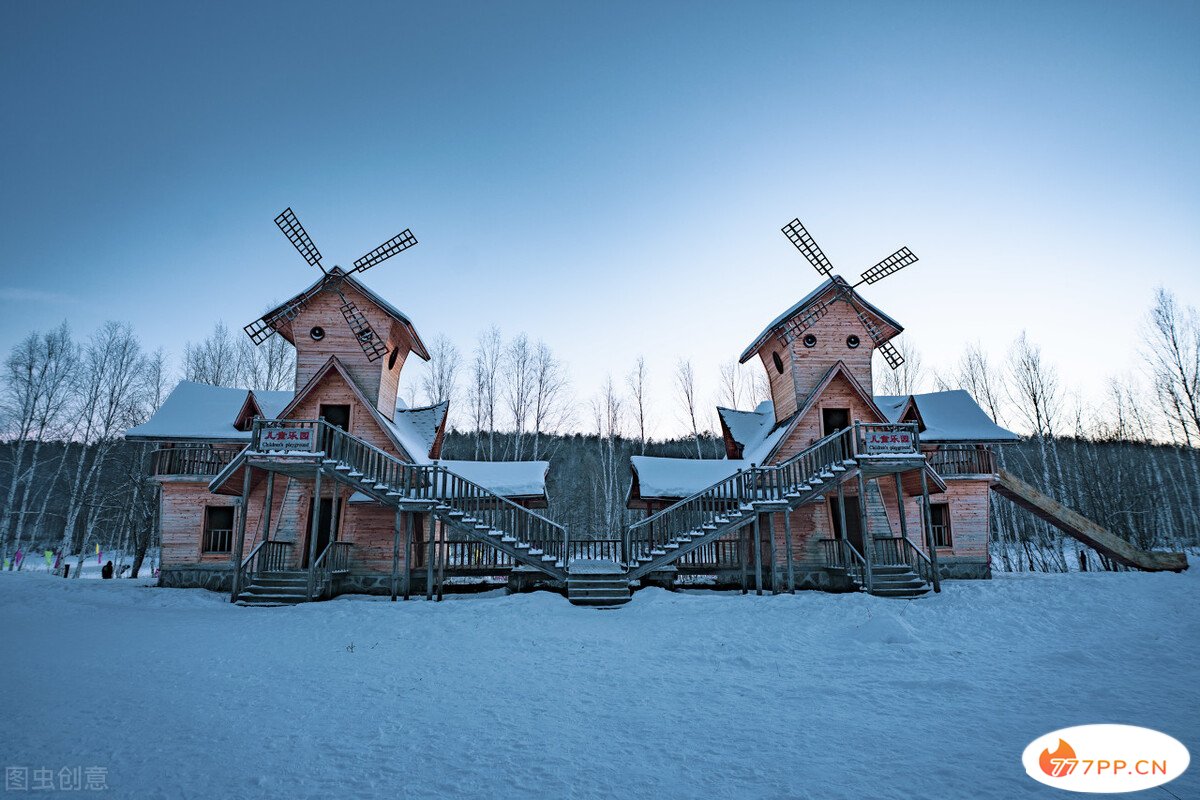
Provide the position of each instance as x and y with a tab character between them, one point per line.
611	177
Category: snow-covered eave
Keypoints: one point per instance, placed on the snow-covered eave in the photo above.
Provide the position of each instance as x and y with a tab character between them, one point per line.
240	437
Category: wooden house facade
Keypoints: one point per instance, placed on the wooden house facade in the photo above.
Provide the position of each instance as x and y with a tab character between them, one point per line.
227	496
820	384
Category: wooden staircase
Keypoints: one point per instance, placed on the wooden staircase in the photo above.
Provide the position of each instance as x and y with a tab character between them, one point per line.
276	588
735	502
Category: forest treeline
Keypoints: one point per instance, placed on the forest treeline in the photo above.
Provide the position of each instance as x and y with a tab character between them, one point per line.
70	481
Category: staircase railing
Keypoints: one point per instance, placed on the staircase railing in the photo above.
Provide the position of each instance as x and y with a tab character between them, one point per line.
798	474
390	477
333	559
267	556
842	554
896	550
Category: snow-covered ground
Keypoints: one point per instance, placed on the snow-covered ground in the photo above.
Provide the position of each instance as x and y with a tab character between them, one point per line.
180	694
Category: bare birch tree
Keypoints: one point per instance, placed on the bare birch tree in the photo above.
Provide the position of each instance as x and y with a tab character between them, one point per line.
551	404
440	382
907	378
685	386
517	388
636	381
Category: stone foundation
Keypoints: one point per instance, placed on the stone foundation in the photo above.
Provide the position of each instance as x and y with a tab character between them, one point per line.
951	569
215	578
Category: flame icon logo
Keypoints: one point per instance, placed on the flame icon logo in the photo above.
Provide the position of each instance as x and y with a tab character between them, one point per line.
1058	763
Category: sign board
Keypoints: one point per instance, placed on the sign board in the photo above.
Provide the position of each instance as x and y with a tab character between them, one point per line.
287	440
884	441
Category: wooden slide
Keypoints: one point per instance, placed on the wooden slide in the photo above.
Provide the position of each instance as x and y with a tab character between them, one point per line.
1071	522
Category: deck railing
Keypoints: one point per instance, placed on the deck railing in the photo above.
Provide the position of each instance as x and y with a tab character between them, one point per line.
409	483
949	462
198	460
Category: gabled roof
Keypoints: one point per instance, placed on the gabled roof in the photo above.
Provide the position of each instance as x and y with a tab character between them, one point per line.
947	417
418	429
334	365
810	299
753	432
348	280
198	411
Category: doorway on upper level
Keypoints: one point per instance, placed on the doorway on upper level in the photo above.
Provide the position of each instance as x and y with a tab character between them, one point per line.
834	419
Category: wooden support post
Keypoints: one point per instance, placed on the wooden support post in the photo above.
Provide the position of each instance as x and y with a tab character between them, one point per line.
430	550
787	536
933	559
756	532
442	555
313	527
743	556
900	506
868	553
409	522
239	545
396	556
268	501
774	555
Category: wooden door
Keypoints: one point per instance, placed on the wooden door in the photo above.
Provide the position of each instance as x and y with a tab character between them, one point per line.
324	529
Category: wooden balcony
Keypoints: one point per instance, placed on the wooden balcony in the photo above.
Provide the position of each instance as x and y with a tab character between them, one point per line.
959	462
192	461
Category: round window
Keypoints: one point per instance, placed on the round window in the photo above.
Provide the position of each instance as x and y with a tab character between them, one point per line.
392	358
778	362
317	333
852	341
810	340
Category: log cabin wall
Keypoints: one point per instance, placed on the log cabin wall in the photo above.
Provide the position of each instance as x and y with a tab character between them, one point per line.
838	394
182	522
333	390
803	367
375	379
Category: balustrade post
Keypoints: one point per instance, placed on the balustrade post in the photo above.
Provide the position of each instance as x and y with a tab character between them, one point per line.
868	553
787	534
240	542
900	506
268	501
430	552
933	558
756	532
396	556
314	527
409	523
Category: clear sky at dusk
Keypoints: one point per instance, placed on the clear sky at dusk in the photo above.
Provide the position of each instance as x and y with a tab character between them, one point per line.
608	177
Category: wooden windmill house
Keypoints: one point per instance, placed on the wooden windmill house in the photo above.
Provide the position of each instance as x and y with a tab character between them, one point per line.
336	486
828	485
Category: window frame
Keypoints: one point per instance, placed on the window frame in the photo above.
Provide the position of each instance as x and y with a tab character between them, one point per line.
946	542
207	529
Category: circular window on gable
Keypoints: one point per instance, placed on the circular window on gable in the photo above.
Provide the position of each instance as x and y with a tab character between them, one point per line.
392	358
810	340
852	341
317	333
778	362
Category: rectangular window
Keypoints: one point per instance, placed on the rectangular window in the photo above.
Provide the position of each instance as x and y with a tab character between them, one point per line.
939	515
218	529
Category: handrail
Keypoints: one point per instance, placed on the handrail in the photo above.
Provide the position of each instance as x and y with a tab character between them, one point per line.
903	551
843	554
415	482
200	460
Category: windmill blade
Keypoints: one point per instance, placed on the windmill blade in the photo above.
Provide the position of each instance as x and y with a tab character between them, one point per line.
397	244
800	237
807	321
371	345
294	231
893	263
891	355
262	329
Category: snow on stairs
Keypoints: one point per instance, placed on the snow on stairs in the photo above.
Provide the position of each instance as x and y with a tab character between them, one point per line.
275	589
897	581
597	582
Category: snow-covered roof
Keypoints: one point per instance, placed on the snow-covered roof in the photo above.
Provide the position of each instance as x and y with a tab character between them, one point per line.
416	428
199	411
950	416
755	430
681	477
507	478
804	301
